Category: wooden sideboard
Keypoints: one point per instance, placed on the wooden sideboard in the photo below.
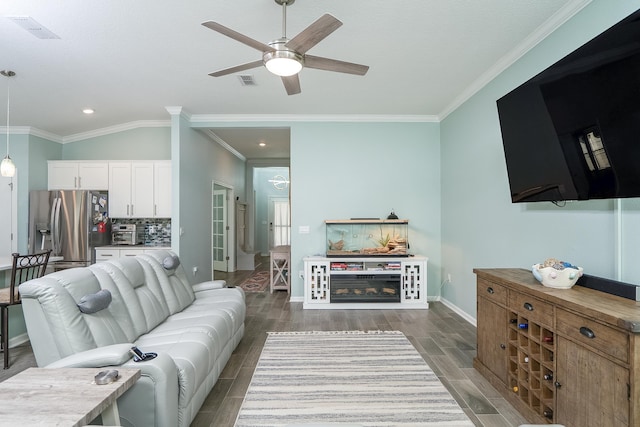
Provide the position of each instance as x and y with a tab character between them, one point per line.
566	356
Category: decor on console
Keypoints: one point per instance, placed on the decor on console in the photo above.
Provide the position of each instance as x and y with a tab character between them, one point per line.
554	273
367	236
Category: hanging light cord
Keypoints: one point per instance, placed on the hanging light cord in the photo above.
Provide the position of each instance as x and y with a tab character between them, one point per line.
8	104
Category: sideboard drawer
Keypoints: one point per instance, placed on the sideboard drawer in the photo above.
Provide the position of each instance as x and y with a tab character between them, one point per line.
593	334
532	308
492	291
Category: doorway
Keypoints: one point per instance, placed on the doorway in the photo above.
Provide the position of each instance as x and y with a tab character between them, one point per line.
222	224
279	222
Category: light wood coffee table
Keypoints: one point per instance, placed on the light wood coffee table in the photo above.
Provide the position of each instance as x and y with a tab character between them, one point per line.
62	397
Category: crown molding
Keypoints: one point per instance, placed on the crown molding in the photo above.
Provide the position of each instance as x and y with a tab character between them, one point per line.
115	129
198	119
29	130
211	134
543	31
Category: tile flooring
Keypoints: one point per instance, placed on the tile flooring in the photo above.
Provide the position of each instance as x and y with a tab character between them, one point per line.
444	339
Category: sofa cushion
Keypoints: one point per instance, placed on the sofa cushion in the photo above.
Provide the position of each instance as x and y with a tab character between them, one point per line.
140	292
174	285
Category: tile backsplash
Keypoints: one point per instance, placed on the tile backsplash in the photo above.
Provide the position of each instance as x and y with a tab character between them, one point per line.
157	231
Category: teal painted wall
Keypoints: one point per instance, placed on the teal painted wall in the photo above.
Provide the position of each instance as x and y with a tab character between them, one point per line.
201	162
346	170
481	227
30	154
146	143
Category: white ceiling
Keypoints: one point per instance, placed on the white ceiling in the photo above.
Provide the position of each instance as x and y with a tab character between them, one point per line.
130	59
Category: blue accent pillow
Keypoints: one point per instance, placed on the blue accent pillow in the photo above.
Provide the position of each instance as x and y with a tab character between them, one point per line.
93	303
171	262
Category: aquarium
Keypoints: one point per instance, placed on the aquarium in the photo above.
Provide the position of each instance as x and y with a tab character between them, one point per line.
367	237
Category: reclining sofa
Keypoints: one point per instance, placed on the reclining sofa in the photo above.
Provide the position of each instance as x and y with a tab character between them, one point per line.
93	316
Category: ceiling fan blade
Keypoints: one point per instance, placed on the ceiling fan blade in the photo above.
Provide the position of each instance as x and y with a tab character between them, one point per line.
327	64
314	33
237	68
237	36
292	84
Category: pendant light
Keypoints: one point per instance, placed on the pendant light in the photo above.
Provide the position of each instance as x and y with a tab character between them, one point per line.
7	167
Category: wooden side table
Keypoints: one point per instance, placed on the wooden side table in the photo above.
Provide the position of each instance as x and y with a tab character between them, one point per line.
279	259
62	397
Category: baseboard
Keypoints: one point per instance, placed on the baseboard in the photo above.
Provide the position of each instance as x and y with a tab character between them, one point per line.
296	299
19	340
459	311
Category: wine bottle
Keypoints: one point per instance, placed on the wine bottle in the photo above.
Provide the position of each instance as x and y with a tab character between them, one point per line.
548	377
523	325
548	413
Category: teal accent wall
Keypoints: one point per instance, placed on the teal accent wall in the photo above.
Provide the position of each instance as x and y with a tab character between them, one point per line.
347	170
481	227
200	162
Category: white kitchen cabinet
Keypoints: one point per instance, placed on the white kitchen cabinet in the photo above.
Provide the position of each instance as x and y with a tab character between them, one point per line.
162	189
77	175
120	189
109	253
140	189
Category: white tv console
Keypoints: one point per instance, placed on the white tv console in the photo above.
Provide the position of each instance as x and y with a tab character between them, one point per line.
375	282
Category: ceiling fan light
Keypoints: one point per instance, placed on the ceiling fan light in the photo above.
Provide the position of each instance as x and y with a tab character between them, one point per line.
7	167
283	67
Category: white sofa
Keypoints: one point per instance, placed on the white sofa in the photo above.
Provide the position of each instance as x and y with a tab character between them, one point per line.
92	316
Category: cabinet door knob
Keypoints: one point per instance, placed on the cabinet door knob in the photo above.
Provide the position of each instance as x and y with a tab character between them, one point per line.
490	290
528	306
587	332
502	346
557	384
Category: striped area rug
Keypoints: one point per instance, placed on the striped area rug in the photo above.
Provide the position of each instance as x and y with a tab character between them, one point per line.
374	378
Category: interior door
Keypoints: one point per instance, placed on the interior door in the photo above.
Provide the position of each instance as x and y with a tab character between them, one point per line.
219	231
279	222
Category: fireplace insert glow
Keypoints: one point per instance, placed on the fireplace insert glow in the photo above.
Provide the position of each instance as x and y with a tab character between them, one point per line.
365	288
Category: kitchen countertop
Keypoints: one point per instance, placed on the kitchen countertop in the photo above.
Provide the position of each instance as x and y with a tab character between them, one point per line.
6	262
132	247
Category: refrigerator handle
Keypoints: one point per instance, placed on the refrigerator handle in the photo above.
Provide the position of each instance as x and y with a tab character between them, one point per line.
52	225
55	225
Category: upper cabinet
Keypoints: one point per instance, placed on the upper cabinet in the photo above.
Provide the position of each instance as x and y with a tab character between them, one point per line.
162	189
78	175
140	189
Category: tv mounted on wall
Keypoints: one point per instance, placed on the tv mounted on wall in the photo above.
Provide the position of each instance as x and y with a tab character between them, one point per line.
572	132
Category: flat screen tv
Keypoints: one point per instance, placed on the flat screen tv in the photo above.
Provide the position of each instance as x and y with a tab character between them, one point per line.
573	131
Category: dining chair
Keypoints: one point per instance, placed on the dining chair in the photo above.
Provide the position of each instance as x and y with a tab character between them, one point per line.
25	267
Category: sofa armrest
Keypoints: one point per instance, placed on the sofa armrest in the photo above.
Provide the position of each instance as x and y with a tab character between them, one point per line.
153	399
111	355
210	285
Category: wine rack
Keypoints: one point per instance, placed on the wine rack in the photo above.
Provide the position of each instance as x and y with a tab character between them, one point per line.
531	349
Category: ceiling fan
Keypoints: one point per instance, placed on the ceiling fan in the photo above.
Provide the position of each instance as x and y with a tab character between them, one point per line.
285	57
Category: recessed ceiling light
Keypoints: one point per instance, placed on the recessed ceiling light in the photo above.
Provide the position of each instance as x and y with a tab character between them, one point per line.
88	110
262	144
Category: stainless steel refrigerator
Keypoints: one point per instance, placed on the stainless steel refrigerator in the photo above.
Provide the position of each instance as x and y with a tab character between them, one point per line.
71	223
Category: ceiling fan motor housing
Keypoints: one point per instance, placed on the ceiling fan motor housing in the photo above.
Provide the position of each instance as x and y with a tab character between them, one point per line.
282	52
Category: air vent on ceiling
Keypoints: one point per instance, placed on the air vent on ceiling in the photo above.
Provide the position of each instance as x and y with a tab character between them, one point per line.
247	80
33	27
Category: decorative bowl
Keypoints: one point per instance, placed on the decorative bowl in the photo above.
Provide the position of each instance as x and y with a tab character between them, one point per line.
559	279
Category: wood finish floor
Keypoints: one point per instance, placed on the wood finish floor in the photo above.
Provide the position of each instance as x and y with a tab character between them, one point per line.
445	341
